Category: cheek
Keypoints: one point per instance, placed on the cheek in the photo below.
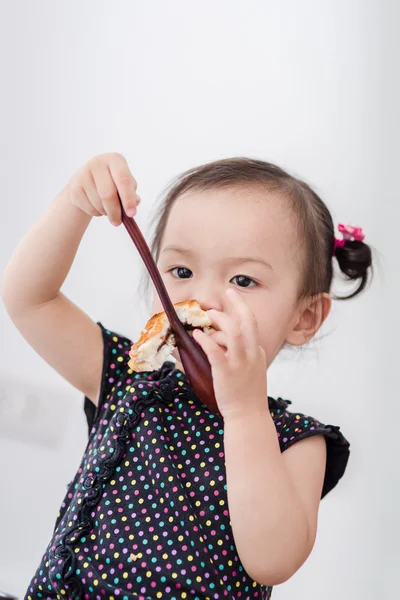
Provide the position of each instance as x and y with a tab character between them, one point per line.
156	305
273	320
271	337
176	292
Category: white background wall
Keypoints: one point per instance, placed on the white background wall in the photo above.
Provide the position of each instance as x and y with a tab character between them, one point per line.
310	85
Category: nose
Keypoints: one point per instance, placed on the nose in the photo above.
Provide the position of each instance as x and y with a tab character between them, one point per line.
209	296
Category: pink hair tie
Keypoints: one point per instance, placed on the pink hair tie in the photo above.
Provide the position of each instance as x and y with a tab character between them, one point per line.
338	244
353	234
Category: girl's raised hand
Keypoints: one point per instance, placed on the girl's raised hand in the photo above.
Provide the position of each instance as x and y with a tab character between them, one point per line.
98	185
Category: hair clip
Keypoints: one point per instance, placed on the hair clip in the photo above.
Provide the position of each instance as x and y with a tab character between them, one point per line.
353	234
348	232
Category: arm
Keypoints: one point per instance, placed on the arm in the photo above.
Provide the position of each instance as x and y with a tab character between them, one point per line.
51	323
273	498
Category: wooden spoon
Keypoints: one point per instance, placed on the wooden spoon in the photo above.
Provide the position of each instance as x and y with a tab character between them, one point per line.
194	361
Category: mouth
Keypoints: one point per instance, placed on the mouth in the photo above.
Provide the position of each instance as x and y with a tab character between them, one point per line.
170	338
157	339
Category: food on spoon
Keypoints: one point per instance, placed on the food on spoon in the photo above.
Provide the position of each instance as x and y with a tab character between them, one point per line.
156	341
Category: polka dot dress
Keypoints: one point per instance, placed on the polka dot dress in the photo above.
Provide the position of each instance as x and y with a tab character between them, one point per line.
146	515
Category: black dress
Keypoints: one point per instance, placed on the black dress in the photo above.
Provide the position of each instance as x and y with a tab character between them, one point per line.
146	515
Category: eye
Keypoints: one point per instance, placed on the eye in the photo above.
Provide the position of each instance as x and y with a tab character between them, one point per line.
243	281
181	273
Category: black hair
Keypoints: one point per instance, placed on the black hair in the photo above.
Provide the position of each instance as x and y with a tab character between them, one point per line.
315	225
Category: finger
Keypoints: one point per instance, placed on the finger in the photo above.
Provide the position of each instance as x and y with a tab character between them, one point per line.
220	338
245	315
92	194
79	198
231	327
229	308
106	190
214	353
220	320
109	195
125	183
247	319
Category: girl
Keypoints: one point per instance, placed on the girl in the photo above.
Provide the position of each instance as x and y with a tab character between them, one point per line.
171	500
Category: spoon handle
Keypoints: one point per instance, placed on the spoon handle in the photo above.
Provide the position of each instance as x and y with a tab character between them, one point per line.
148	260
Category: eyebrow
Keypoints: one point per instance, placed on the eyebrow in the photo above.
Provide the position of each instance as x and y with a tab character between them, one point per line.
177	249
234	259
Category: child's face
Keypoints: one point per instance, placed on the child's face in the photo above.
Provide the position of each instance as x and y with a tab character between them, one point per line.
235	237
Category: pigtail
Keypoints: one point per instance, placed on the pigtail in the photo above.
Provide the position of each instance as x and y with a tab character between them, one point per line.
355	261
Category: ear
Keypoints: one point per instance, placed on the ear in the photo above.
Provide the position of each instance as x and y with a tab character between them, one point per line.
309	317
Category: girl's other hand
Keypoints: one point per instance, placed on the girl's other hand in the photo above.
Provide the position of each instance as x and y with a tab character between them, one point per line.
100	184
237	361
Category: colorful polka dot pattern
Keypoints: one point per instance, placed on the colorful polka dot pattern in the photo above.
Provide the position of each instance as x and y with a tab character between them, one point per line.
146	515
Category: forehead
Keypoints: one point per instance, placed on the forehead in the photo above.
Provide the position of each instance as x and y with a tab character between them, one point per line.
235	220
